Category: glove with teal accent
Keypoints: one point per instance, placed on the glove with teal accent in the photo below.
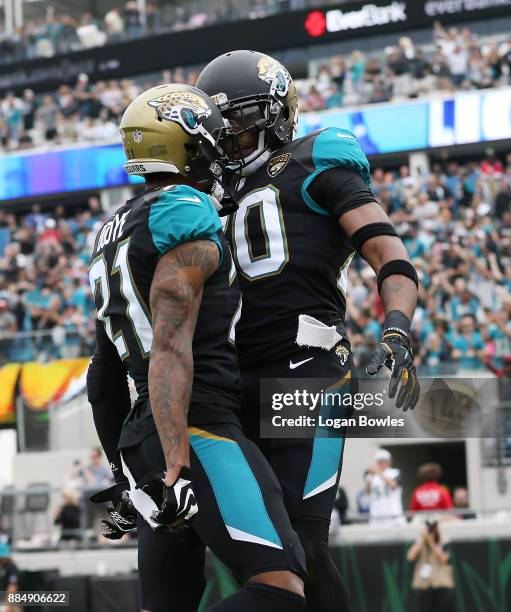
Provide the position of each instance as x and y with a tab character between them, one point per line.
395	352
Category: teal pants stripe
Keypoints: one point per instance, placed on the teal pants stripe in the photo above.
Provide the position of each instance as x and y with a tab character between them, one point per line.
326	450
236	489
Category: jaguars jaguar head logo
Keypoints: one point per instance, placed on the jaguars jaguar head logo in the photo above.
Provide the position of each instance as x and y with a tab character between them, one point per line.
183	107
277	164
275	74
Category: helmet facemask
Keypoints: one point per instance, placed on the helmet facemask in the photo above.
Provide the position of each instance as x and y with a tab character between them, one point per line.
256	125
206	166
206	161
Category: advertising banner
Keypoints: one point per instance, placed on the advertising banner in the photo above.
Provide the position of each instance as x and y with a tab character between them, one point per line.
462	118
8	378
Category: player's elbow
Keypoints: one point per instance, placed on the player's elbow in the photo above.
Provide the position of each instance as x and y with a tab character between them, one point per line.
381	249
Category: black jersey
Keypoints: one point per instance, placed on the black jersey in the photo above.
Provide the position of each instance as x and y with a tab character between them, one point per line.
290	253
126	251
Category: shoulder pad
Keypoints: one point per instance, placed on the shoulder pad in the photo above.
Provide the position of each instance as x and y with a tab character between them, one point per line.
181	214
339	147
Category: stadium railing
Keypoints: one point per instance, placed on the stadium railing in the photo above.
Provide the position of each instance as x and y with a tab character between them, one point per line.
46	345
28	534
69	342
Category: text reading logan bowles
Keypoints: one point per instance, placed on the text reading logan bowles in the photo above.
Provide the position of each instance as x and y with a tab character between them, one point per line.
360	420
330	409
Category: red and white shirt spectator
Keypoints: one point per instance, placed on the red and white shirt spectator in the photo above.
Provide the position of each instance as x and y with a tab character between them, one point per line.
430	495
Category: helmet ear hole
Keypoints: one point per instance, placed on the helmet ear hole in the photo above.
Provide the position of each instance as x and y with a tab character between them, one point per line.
285	113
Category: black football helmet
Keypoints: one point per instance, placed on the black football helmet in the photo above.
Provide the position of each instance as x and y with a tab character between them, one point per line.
256	94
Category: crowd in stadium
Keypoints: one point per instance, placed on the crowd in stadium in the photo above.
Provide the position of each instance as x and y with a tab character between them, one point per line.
90	112
56	33
44	293
457	60
455	223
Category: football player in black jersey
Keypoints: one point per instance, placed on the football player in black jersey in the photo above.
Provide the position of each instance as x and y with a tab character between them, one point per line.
304	208
159	273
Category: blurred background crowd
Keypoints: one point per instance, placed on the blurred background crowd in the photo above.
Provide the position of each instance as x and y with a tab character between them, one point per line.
456	59
455	222
45	301
56	32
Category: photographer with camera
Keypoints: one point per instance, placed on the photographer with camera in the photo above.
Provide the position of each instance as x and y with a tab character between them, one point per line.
433	582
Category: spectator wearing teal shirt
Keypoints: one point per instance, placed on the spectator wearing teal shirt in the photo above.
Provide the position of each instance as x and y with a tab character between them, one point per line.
9	575
433	351
463	302
425	328
11	111
414	245
470	183
435	344
453	182
499	336
357	66
364	328
468	345
80	297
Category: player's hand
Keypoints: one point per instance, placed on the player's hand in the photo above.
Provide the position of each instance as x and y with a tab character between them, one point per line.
179	504
123	519
122	516
395	352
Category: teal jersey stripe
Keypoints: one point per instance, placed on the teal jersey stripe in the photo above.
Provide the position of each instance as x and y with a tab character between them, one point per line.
182	214
236	489
335	147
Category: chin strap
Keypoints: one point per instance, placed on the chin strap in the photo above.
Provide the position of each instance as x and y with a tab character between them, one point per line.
217	194
258	162
223	200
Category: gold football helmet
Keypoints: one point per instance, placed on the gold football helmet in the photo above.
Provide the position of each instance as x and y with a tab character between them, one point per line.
172	128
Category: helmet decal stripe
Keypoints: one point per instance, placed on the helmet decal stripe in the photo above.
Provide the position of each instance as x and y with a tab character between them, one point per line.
185	108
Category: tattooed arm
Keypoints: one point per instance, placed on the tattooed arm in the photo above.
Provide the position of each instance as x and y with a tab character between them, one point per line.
175	298
397	292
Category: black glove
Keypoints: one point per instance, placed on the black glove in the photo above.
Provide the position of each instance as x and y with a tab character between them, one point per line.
122	515
395	352
179	504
